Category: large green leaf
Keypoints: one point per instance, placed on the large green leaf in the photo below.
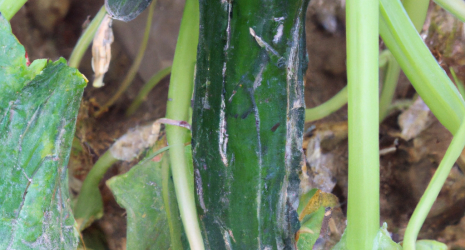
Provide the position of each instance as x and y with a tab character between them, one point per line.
147	194
38	109
126	10
248	120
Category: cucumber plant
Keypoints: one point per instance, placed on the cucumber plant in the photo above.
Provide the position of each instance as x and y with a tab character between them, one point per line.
238	187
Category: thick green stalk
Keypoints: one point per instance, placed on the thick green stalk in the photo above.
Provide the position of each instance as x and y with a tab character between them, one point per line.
8	8
86	39
179	100
332	105
152	82
434	187
362	75
427	77
455	7
135	64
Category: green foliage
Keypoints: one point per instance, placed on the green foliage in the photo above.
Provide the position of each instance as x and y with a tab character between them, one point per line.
38	109
430	245
126	10
419	65
311	210
310	229
8	8
140	192
382	241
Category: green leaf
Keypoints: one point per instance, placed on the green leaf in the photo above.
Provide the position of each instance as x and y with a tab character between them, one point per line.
382	241
142	192
311	212
314	200
310	229
430	245
126	10
38	109
89	205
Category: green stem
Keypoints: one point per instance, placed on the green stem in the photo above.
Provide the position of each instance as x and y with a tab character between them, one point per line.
340	99
135	65
363	112
179	97
417	11
391	77
455	7
328	107
99	169
459	83
86	39
89	202
152	155
8	8
426	202
154	80
428	78
175	234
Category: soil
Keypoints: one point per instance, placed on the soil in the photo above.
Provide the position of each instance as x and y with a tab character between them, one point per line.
406	167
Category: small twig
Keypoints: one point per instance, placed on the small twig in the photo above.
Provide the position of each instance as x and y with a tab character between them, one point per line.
173	122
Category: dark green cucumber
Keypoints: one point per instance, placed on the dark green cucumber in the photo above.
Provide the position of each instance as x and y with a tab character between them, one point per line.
248	120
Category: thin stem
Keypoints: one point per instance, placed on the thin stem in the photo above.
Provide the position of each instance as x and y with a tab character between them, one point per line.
8	8
150	156
459	83
391	77
175	234
135	65
363	112
179	96
455	7
154	80
89	202
417	10
340	99
426	202
328	107
85	39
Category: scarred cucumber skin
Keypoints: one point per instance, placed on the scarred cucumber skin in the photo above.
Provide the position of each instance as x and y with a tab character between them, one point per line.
248	118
